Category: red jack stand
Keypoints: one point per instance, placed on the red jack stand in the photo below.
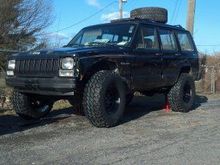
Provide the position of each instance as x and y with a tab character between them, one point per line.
167	105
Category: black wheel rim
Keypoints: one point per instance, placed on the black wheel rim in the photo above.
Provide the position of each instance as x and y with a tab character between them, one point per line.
187	93
112	99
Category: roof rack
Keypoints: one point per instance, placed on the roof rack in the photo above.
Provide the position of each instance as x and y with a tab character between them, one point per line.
144	20
179	26
130	19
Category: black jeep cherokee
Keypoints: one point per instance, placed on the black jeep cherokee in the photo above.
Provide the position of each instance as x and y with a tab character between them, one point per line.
102	67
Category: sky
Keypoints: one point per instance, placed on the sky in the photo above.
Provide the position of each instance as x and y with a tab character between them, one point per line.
70	13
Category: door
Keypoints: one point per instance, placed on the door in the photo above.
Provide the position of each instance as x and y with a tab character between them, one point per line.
146	69
171	56
189	51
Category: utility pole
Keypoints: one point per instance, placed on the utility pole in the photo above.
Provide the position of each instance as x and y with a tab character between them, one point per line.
120	9
121	2
191	15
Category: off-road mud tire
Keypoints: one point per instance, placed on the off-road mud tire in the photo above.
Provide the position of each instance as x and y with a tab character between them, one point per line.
176	94
24	107
95	95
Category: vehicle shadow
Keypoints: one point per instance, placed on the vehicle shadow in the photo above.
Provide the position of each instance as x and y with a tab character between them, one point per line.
199	100
11	123
140	106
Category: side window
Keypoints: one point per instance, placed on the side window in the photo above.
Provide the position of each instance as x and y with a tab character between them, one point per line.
185	42
147	39
167	40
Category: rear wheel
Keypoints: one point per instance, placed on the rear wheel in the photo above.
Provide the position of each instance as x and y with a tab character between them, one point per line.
30	106
104	99
182	95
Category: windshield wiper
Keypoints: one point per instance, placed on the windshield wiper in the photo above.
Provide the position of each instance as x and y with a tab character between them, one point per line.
101	44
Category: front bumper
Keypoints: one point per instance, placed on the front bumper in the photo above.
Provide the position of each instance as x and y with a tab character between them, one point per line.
43	86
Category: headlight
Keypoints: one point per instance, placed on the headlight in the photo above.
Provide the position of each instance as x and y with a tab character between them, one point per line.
67	63
11	64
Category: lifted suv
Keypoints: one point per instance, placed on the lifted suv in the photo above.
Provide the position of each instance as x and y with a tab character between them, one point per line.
102	67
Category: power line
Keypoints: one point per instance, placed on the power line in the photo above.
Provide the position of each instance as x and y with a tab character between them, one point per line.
178	10
174	12
81	21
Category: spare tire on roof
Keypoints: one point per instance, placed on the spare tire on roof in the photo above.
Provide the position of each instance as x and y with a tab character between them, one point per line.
151	13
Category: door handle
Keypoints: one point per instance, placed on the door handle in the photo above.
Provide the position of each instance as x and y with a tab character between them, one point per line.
178	54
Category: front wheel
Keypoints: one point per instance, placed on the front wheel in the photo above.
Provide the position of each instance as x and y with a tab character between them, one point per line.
182	95
104	99
30	106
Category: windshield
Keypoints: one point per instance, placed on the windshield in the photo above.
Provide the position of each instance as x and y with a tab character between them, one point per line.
117	35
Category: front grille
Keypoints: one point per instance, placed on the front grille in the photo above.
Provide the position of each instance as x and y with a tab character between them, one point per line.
37	67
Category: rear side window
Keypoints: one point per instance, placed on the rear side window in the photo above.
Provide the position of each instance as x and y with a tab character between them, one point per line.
147	39
167	40
185	42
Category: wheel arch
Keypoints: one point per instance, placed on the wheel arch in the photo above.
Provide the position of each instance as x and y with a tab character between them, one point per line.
95	67
184	69
92	66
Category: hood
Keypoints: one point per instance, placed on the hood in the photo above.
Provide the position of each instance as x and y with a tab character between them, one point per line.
79	51
83	50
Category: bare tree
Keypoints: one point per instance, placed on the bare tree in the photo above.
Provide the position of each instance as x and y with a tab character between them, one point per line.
22	22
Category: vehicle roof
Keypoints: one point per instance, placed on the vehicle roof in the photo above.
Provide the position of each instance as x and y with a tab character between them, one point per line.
140	21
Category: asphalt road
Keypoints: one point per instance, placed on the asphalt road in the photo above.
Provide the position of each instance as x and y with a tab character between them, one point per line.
146	135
